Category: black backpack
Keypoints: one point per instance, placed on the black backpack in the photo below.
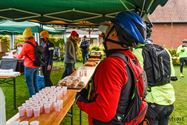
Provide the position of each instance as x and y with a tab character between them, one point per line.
38	51
156	64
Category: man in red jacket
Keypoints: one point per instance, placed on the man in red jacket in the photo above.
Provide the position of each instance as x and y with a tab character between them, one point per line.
111	76
27	53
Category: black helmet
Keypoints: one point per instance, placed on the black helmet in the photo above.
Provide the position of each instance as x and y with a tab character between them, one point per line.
148	29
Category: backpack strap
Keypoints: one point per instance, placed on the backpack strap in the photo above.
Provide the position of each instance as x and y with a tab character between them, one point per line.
130	86
31	44
130	72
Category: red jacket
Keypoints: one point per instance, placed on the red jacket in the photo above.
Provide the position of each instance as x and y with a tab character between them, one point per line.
109	79
28	51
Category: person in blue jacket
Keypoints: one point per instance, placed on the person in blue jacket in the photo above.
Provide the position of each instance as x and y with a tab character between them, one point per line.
47	56
84	48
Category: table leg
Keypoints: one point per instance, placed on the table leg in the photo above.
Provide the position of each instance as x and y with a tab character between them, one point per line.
72	115
14	92
80	117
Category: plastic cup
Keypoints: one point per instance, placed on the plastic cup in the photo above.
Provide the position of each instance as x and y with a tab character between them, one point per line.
32	104
25	105
21	110
53	97
29	112
57	107
33	96
58	87
47	108
65	89
59	95
60	102
53	87
80	73
15	123
28	101
41	108
37	94
30	98
51	102
24	123
85	72
47	88
36	111
34	123
40	102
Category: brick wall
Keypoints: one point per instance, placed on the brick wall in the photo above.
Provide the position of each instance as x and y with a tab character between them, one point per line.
169	35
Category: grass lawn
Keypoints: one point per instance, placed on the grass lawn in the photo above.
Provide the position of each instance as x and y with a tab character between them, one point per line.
178	117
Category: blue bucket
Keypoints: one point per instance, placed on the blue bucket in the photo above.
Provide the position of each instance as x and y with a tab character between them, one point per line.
40	82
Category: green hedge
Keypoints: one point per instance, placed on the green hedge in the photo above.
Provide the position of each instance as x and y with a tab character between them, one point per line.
58	42
96	48
174	54
4	38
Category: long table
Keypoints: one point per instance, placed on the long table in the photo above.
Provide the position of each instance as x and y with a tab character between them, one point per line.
90	73
55	118
12	81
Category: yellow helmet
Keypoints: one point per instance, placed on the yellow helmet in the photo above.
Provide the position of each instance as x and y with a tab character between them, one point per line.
44	34
27	33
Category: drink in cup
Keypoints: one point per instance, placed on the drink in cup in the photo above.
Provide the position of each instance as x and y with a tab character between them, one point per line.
47	108
24	123
57	107
36	111
29	112
34	123
15	123
21	110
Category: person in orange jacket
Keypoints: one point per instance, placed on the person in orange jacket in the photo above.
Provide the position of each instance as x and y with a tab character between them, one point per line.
30	70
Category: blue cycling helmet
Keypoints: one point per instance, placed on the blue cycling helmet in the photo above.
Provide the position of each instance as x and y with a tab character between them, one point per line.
130	28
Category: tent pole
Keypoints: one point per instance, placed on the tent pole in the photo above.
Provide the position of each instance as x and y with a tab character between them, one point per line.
89	31
12	40
65	36
39	30
37	38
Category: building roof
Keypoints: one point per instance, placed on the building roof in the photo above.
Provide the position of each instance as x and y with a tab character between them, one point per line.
174	11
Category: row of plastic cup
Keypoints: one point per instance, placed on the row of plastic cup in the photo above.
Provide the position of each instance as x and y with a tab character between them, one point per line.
47	100
82	72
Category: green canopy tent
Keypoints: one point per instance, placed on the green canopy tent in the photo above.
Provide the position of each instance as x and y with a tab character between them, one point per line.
18	27
72	11
12	27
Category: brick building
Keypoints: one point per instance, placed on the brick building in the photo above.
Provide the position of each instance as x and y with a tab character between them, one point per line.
170	23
